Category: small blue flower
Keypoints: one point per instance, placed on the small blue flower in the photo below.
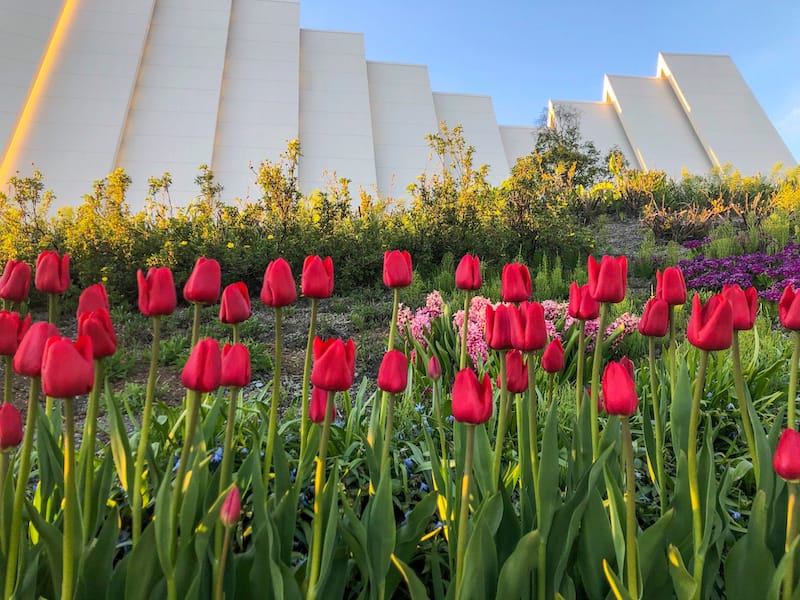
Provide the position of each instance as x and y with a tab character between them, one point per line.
176	465
736	515
409	462
709	394
216	457
730	406
423	487
293	474
244	450
450	418
418	407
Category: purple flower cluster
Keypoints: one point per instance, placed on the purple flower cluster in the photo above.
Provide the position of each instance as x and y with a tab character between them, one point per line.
768	273
695	244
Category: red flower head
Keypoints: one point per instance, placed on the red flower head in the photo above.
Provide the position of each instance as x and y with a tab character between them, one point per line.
530	331
203	371
235	365
608	280
92	298
319	401
619	390
204	283
434	368
317	279
334	364
515	283
581	304
744	304
96	325
711	326
279	288
655	318
468	273
12	329
10	426
553	357
28	359
15	282
235	305
786	460
393	372
500	324
231	509
156	292
397	270
516	373
52	273
670	286
67	367
471	400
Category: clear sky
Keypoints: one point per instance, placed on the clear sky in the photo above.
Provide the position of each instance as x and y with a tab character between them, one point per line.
523	53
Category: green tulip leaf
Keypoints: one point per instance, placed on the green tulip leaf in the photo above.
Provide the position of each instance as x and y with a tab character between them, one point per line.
680	409
415	587
480	560
381	530
141	567
683	583
516	577
750	555
97	561
617	587
653	562
119	444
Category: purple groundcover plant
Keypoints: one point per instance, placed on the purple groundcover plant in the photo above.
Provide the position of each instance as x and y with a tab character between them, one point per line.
768	273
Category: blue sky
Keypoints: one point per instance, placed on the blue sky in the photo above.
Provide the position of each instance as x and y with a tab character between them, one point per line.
522	53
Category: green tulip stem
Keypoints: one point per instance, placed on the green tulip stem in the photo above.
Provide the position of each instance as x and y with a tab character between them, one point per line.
219	587
87	448
791	534
9	374
196	323
141	452
672	347
463	518
741	393
22	483
790	418
598	358
581	365
319	487
630	508
5	460
387	433
694	484
235	328
393	324
52	308
378	416
462	363
659	426
70	498
533	429
226	467
502	421
551	384
304	398
193	410
437	407
272	428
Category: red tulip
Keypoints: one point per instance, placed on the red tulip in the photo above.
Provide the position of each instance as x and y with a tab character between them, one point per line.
516	373
67	367
655	318
468	273
279	288
319	401
500	324
231	509
393	372
397	270
12	329
581	304
92	298
711	326
235	365
52	273
789	309
744	304
619	390
28	359
156	292
786	460
628	364
670	286
334	364
471	400
553	357
530	331
97	326
203	371
203	284
608	280
515	283
10	427
235	305
434	368
15	281
317	279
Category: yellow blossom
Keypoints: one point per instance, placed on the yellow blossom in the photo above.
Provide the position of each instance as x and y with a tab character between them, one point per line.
230	244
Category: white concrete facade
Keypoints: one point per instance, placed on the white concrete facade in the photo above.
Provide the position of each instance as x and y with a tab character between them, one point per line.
87	86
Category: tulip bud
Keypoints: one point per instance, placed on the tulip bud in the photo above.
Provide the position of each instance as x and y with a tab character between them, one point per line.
670	286
97	326
92	298
319	401
744	305
619	390
235	365
203	284
52	273
655	318
786	460
231	509
393	372
711	326
500	325
468	273
235	306
529	331
515	283
15	281
553	357
317	278
434	368
516	373
789	309
10	427
397	269
12	329
28	358
608	280
334	364
471	400
156	292
581	304
203	370
279	288
67	367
